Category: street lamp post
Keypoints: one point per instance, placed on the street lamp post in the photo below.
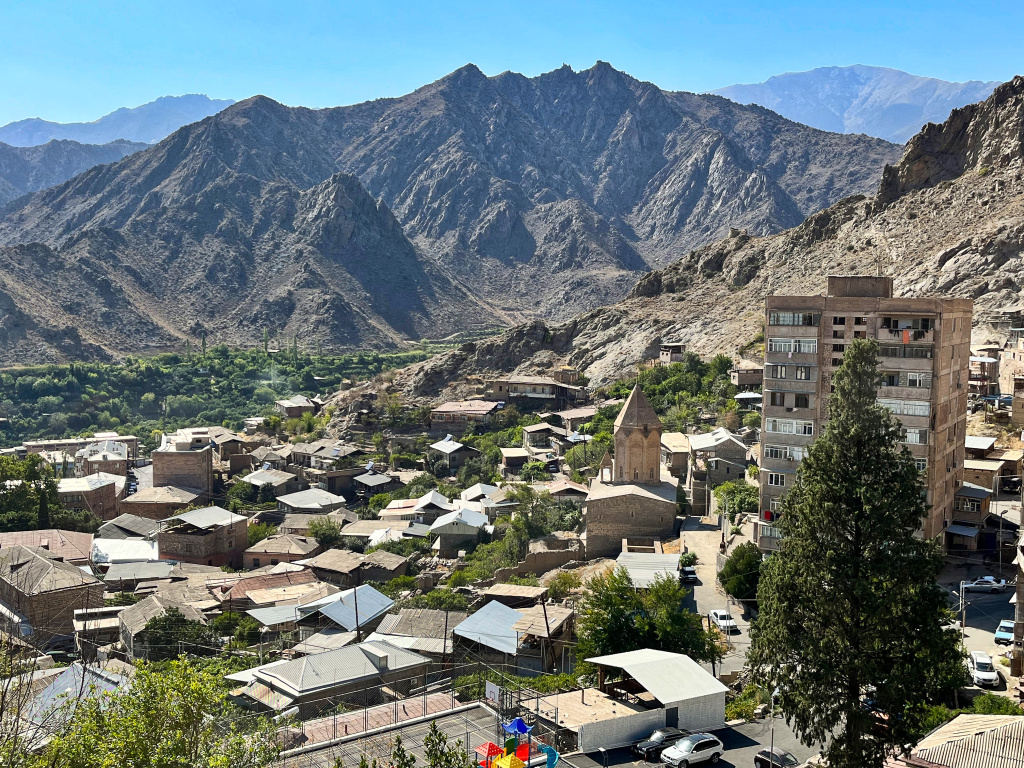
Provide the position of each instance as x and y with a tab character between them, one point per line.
771	714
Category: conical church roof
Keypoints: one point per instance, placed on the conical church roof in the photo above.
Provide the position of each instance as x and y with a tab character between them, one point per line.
637	412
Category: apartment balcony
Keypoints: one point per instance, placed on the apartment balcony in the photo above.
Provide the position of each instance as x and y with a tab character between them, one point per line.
905	335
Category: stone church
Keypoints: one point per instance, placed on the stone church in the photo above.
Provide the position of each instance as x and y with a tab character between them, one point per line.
633	496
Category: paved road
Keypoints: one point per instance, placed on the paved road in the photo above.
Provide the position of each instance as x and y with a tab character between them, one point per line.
704	538
741	742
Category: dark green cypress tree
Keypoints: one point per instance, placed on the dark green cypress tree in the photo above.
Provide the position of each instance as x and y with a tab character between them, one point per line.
43	521
850	609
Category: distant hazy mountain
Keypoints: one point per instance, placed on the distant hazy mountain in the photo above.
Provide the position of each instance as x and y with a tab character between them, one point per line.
149	123
29	169
878	101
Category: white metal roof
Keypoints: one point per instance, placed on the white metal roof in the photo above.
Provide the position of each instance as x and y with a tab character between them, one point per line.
645	567
979	443
208	517
669	677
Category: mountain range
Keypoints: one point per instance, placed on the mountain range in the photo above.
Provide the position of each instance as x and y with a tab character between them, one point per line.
29	169
148	123
514	198
876	101
947	219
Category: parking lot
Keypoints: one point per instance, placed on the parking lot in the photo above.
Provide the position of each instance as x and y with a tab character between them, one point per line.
741	743
984	612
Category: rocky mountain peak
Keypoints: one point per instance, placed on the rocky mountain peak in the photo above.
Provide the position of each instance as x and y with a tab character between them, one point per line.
989	134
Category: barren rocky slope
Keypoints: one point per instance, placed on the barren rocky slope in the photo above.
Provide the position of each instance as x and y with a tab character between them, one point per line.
517	198
948	219
29	169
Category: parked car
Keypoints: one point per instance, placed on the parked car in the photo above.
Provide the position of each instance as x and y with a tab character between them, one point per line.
983	671
696	748
776	757
651	747
984	584
688	574
1004	632
724	621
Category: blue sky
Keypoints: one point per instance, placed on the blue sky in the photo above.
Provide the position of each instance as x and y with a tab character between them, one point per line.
69	61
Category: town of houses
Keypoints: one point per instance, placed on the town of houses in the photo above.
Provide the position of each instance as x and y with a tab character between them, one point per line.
330	625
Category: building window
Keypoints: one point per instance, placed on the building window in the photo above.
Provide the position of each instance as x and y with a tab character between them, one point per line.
803	373
921	464
894	406
890	379
804	427
780	345
791	318
775	505
919	380
838	321
921	352
839	348
769	531
781	426
967	505
805	346
838	334
915	408
255	562
860	321
777	479
802	401
776	371
776	452
915	436
778	398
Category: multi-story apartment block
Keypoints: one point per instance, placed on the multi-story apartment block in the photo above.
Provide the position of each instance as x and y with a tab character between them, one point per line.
924	350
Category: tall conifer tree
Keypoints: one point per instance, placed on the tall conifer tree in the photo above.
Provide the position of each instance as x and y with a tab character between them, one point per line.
850	624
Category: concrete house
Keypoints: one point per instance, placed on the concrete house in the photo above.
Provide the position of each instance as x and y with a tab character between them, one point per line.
209	536
455	453
39	595
456	530
715	457
295	406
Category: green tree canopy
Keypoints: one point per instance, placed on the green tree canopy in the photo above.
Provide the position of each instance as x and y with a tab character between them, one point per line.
738	496
741	573
176	718
850	602
615	617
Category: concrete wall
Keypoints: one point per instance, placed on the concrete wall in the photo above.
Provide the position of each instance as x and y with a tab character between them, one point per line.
706	713
619	731
151	510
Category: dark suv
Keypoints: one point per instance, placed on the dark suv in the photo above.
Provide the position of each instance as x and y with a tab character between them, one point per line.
650	748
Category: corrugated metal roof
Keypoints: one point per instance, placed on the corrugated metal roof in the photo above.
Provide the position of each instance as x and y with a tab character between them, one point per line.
540	620
465	516
669	677
433	645
56	704
371	604
312	498
139	571
329	640
279	614
124	551
492	626
644	567
343	666
992	741
421	622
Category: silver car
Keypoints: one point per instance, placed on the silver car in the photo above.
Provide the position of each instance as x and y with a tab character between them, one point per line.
696	748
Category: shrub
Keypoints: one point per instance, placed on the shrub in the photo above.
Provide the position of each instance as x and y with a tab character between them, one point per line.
742	572
687	559
563	584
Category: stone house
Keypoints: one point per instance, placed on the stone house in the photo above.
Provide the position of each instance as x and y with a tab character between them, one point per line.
40	593
454	414
184	459
454	453
100	494
107	456
456	530
295	406
209	536
345	568
283	483
160	502
311	502
133	620
280	548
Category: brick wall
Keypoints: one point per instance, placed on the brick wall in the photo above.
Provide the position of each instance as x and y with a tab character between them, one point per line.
187	469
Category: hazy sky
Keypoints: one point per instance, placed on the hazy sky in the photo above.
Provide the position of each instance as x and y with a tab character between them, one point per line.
78	60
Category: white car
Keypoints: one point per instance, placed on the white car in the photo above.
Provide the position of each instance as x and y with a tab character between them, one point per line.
984	584
724	621
694	749
983	671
